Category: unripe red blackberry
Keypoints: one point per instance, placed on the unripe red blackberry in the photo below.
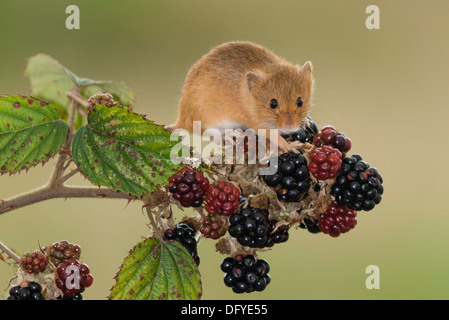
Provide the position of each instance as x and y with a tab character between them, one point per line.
325	162
188	187
33	261
62	251
358	185
73	277
213	226
337	219
222	198
329	136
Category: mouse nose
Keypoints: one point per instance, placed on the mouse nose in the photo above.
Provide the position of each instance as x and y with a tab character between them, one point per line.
289	124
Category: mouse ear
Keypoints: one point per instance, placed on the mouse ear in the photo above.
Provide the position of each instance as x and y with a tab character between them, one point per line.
253	79
307	67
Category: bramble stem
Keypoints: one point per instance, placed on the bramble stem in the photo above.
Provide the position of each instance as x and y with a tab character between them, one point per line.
68	176
46	193
9	253
146	199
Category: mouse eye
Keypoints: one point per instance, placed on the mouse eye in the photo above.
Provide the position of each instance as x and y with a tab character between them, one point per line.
299	102
273	103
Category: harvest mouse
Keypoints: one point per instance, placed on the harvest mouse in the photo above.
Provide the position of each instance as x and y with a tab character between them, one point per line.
243	85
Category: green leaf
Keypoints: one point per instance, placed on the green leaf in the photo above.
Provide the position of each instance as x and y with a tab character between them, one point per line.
124	151
30	133
155	270
50	81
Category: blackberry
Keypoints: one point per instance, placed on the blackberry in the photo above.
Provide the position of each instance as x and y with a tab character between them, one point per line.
213	226
310	224
325	162
338	219
188	187
33	261
101	98
65	274
303	135
329	136
250	227
245	273
279	236
222	198
33	291
358	186
76	296
62	251
292	179
185	234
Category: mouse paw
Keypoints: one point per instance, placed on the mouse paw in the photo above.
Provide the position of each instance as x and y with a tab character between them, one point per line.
291	147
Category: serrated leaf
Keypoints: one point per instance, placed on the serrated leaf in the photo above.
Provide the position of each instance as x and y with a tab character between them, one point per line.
30	133
124	151
158	271
50	81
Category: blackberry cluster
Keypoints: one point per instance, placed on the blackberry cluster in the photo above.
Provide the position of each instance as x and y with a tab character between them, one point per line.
222	198
245	273
66	270
358	186
278	236
338	219
186	236
292	180
213	226
76	296
303	135
250	227
33	261
33	291
311	225
62	251
329	136
325	162
188	187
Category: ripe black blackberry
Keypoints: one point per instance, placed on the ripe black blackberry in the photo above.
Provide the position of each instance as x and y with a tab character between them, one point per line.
303	135
358	186
292	179
33	291
245	273
186	236
278	236
310	224
250	227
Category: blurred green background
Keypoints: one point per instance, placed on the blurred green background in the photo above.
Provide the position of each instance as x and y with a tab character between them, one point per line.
387	89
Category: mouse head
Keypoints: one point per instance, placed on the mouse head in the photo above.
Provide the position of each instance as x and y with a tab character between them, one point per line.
281	95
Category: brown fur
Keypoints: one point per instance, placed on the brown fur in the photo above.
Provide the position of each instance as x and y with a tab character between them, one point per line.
235	83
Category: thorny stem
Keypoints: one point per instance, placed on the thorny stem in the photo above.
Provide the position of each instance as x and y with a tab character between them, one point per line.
146	199
9	253
68	176
46	193
62	156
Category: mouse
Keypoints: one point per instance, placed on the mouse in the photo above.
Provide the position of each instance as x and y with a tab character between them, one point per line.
243	85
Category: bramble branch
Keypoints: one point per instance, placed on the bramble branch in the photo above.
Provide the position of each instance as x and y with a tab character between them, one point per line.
46	193
4	249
